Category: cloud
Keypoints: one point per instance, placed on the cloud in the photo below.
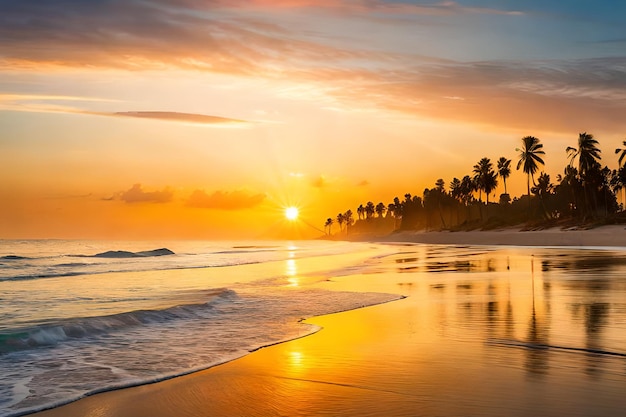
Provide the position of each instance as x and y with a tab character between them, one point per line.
363	183
242	38
179	117
558	95
137	195
224	200
133	34
361	6
56	104
44	103
227	36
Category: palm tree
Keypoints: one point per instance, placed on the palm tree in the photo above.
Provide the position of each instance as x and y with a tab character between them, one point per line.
329	223
370	209
480	170
504	170
466	191
485	179
588	153
490	182
570	182
440	184
588	156
360	211
621	158
467	188
348	218
623	153
529	159
398	209
621	179
380	209
543	189
340	220
455	189
456	192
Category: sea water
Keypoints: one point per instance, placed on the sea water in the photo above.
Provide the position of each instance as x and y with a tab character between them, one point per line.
481	331
81	317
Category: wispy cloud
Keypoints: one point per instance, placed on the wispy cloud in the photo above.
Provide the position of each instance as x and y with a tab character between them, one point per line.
241	38
60	104
179	117
218	36
225	200
45	103
360	6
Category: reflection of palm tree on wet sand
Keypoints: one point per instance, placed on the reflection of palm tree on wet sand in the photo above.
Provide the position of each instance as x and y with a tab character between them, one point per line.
595	320
537	341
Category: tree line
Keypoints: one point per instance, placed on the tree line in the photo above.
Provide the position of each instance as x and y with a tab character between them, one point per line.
585	193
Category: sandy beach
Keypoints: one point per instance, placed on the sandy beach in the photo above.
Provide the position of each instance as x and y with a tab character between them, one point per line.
604	236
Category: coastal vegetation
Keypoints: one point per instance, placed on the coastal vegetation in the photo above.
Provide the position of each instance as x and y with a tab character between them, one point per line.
584	194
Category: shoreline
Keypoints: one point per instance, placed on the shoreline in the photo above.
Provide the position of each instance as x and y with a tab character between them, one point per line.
138	400
603	236
62	407
340	371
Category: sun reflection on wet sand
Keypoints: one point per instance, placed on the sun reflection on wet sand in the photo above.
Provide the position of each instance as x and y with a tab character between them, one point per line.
483	331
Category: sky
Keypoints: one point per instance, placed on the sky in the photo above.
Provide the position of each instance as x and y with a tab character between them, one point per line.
189	119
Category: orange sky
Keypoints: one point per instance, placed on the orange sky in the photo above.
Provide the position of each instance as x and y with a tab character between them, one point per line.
196	119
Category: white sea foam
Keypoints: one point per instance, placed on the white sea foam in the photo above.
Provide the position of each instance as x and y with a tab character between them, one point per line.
64	338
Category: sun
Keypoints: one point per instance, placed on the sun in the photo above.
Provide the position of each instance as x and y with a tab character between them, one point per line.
291	213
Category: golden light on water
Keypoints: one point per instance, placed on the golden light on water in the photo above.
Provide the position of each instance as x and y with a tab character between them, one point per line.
292	273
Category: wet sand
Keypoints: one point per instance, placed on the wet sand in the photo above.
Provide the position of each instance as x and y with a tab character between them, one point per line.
483	331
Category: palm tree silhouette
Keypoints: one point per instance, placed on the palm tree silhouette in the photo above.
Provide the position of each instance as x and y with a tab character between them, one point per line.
349	219
504	170
588	153
623	153
329	223
485	178
622	168
360	211
543	188
456	192
340	220
455	189
440	185
370	209
380	209
480	170
490	182
529	159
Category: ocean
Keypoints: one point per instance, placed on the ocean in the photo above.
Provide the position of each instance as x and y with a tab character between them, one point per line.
472	330
82	317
